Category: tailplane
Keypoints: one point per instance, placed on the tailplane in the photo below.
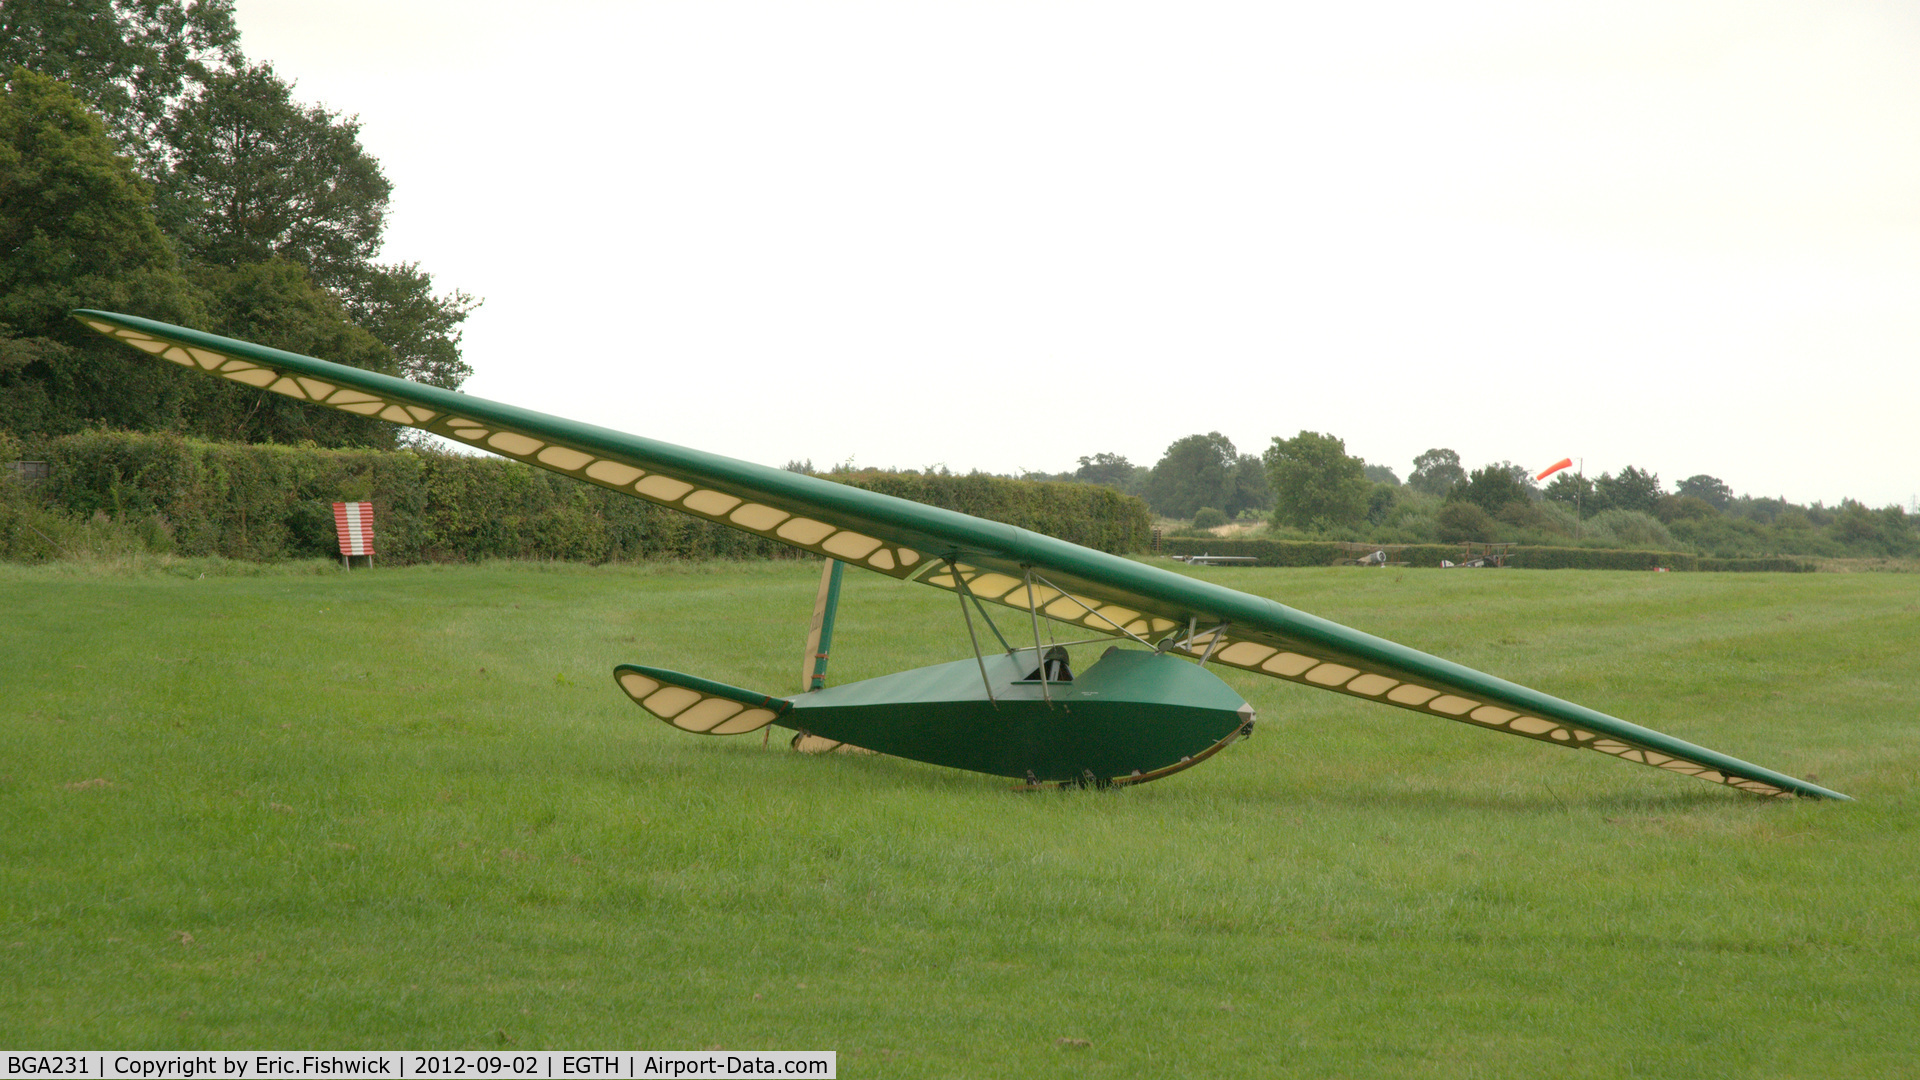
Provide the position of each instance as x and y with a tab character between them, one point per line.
701	706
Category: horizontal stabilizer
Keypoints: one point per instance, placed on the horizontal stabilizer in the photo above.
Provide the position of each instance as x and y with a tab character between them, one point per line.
701	706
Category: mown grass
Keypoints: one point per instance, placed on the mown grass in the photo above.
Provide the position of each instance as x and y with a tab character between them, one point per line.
294	807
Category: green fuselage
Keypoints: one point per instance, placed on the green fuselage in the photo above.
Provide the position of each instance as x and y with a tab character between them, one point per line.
1132	711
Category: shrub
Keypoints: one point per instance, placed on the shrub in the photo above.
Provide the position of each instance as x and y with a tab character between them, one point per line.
1491	488
271	502
1673	508
1628	529
1209	518
1086	514
1273	552
1532	517
1381	501
1463	521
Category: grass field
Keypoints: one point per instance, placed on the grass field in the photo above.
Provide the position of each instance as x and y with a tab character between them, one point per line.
296	808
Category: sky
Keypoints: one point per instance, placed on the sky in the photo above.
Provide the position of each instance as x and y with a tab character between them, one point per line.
1003	236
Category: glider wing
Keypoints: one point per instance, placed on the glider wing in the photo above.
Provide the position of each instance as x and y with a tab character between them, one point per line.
989	561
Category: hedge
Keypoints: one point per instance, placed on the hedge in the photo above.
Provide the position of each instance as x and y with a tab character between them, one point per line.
1086	514
1328	553
271	502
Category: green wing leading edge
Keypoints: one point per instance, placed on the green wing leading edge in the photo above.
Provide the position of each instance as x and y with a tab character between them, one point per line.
1127	718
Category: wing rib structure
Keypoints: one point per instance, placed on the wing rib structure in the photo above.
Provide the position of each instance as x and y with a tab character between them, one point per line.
701	706
1091	590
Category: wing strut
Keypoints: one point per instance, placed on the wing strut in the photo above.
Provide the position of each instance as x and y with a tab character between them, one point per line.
1117	628
1173	639
961	591
1033	609
1214	638
988	619
1219	635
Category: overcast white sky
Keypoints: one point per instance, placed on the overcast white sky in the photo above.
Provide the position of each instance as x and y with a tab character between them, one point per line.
1003	236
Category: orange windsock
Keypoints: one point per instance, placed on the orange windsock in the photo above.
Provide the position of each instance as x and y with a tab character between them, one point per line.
1563	463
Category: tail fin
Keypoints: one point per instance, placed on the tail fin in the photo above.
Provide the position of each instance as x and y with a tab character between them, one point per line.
701	706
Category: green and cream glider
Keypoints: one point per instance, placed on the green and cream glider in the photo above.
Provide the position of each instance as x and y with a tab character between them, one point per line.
1137	714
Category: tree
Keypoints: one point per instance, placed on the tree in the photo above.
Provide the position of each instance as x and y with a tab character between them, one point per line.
1380	503
133	61
1672	508
1633	489
1524	477
1460	521
1436	471
275	303
242	173
1896	530
1572	490
76	230
1196	471
1380	474
1527	514
1491	488
255	175
1315	484
1251	491
1708	489
1854	524
397	305
1111	470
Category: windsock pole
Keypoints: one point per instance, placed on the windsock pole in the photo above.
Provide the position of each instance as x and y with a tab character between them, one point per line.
1567	463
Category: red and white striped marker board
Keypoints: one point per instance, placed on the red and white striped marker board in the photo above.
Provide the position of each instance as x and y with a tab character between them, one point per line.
354	522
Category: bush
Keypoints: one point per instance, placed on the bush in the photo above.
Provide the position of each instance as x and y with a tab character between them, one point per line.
1462	521
1086	514
1381	501
1673	508
1325	553
1413	528
1209	518
1492	488
271	502
1533	519
1627	529
33	530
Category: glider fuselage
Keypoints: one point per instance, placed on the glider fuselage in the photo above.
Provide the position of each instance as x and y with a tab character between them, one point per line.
1131	712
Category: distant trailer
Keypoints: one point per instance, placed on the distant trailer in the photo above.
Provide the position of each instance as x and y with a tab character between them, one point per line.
1217	560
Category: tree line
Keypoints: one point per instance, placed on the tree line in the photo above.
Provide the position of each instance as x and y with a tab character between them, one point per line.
1309	487
148	166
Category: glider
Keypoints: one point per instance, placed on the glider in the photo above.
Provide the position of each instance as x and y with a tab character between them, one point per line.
1015	710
